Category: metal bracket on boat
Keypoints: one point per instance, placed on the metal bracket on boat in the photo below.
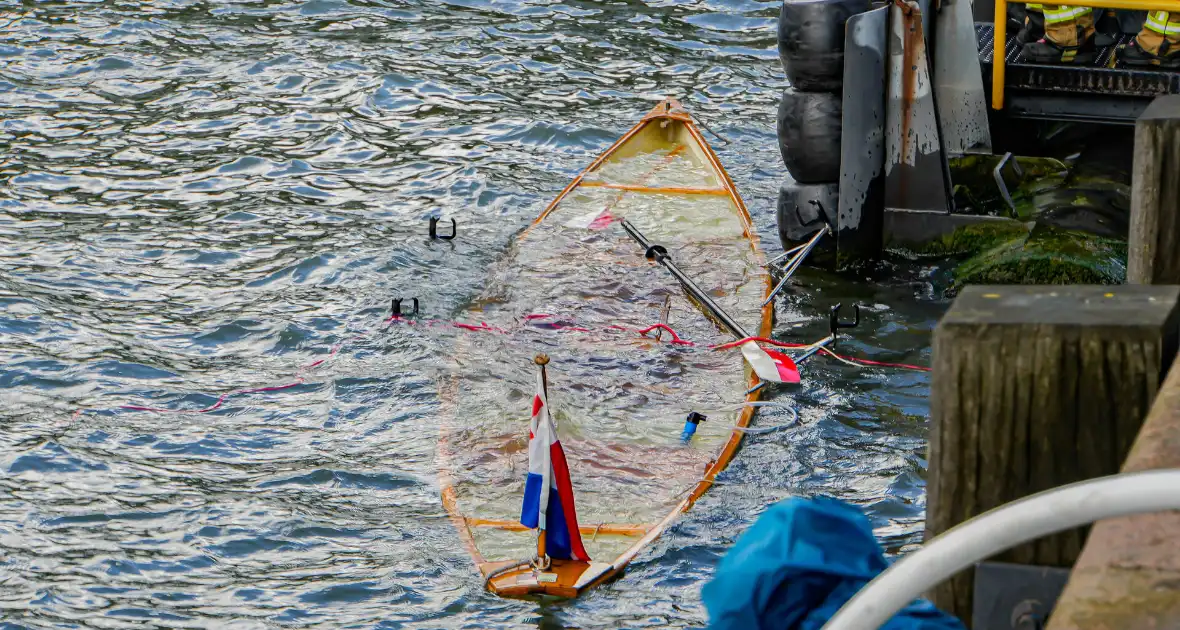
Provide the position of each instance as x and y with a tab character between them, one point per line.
664	313
396	309
797	255
435	236
821	214
834	323
790	252
540	563
834	326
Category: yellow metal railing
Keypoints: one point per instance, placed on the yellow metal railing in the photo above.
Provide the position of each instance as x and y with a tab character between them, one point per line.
1000	58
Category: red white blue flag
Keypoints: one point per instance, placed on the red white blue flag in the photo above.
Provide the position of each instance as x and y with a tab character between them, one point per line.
548	495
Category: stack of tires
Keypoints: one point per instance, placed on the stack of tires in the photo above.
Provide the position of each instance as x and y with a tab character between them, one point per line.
811	48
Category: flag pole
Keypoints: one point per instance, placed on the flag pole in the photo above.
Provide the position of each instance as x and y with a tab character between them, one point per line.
541	360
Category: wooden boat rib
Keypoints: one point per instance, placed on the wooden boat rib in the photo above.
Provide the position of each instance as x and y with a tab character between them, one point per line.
659	189
603	529
669	134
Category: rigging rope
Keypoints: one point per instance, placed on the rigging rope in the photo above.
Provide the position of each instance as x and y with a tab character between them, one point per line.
529	318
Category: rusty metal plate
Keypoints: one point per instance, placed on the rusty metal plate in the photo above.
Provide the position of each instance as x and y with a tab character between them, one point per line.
862	146
916	172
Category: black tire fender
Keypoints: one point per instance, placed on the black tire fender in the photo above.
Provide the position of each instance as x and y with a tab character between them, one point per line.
803	209
809	135
811	41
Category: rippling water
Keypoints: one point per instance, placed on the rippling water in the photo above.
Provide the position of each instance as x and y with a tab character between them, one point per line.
197	198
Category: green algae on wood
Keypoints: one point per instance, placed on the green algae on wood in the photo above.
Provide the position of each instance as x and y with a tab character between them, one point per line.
966	240
1048	255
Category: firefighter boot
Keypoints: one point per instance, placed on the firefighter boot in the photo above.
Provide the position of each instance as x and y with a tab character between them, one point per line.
1107	27
1158	44
1069	36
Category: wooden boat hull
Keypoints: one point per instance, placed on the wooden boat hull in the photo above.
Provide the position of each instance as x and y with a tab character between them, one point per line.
678	185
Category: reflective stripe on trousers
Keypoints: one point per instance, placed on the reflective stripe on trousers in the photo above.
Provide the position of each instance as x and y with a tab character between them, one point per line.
1056	14
1163	23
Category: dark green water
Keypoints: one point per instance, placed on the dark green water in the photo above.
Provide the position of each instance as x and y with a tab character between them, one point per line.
202	197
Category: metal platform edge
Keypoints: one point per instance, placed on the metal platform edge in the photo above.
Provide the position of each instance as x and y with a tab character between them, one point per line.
1097	93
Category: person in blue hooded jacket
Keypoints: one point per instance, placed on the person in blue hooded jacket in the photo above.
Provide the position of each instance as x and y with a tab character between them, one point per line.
797	565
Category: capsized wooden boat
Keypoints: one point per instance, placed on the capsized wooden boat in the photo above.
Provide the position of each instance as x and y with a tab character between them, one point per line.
619	400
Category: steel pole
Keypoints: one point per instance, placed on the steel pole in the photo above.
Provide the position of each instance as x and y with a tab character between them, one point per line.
660	254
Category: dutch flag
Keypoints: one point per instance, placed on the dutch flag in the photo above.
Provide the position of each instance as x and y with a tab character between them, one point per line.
548	495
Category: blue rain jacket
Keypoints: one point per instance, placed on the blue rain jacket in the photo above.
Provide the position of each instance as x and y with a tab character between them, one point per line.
797	565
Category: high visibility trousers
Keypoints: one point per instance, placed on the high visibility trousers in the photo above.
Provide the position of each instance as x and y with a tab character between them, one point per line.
1057	14
1160	36
1040	8
1068	26
1164	23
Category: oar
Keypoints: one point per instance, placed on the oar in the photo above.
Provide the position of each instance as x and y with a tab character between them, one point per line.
659	253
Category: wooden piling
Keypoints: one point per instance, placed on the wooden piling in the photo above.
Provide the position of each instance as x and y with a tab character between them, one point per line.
1153	246
1035	387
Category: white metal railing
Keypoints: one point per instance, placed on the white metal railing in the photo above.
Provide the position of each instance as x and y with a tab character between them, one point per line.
1000	529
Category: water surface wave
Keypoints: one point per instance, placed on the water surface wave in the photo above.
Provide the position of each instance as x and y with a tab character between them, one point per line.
197	198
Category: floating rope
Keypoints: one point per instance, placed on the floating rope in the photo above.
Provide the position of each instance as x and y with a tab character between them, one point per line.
794	421
867	362
529	318
299	380
220	399
675	337
853	361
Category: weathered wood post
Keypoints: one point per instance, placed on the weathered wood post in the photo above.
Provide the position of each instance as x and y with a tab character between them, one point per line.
1035	387
1153	245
